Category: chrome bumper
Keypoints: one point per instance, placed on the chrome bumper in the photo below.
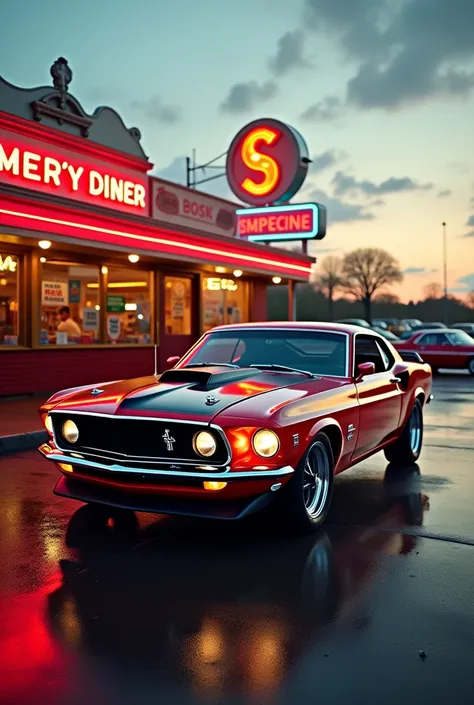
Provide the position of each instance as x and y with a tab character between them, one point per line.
227	475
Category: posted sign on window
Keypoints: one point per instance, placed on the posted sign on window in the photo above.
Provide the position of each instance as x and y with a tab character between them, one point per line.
54	293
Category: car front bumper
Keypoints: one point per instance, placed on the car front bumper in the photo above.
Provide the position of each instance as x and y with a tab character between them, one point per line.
164	490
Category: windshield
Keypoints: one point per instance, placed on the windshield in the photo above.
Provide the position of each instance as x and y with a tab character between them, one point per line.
318	352
459	337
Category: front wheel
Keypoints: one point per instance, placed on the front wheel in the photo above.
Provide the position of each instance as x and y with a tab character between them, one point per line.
305	501
470	365
407	448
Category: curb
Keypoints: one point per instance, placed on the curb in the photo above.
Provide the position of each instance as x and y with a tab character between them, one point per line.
22	441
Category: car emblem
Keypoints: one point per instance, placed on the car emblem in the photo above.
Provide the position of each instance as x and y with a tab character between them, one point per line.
351	429
211	399
169	440
96	391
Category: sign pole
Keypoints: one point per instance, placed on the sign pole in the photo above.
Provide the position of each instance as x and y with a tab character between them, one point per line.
291	301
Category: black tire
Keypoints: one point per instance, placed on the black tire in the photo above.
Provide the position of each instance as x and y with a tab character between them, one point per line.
470	365
302	505
407	448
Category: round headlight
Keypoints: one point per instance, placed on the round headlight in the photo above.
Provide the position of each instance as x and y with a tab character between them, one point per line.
205	443
48	424
70	431
266	443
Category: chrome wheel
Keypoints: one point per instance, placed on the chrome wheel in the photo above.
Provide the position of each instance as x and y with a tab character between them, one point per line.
471	366
316	479
415	425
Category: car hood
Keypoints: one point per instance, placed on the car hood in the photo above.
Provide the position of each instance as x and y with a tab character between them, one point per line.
197	393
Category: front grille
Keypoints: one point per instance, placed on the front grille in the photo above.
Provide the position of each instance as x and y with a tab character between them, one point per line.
125	438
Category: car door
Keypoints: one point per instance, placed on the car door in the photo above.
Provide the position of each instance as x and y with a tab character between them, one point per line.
379	395
436	349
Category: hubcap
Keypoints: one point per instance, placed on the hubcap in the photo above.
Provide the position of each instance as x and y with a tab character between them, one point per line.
316	478
471	366
415	429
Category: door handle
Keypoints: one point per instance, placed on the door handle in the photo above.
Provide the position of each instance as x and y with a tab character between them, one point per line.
395	380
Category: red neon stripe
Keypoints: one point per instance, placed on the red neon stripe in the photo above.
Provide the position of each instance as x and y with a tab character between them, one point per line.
161	244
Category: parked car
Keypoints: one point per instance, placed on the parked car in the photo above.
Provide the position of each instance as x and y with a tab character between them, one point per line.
379	323
393	325
354	322
445	347
388	335
429	325
411	322
253	414
467	327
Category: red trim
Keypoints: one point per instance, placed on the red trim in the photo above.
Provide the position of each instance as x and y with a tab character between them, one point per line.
66	141
16	212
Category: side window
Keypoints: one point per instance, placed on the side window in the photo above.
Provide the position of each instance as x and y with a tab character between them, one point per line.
386	354
427	339
442	339
367	350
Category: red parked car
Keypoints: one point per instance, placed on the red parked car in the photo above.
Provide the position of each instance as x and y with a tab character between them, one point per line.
253	414
446	348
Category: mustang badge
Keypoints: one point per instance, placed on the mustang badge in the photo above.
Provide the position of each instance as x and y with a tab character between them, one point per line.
169	440
96	391
211	399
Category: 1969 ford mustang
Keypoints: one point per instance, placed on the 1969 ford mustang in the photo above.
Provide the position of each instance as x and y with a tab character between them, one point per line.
253	414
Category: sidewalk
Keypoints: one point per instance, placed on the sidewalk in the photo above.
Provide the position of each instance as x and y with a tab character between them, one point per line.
20	424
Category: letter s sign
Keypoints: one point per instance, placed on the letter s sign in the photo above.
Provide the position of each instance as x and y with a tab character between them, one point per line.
267	163
262	163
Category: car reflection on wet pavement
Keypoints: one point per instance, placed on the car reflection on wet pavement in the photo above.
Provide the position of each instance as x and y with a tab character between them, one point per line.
102	608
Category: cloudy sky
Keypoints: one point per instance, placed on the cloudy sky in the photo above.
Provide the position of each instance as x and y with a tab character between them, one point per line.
383	91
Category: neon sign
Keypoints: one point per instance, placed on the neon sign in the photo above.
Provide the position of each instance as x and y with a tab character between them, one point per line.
305	221
267	163
7	264
216	284
35	165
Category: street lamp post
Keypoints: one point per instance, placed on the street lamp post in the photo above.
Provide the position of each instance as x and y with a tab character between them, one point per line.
445	276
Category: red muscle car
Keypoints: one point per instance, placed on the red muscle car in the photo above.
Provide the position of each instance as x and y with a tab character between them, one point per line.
253	414
446	348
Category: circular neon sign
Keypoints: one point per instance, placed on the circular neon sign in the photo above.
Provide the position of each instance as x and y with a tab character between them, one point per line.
267	162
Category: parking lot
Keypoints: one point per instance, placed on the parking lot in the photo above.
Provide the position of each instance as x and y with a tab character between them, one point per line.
376	608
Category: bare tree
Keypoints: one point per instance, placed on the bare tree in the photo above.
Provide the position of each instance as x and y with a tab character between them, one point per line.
329	279
367	270
470	299
386	297
433	290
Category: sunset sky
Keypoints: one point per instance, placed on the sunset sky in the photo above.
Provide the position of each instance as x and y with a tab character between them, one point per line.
382	90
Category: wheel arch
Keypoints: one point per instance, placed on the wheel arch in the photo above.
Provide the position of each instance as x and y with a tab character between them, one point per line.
333	431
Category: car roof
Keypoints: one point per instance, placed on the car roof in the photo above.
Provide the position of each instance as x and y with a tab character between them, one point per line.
297	325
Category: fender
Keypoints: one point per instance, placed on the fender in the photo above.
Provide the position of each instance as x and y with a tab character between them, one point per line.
326	424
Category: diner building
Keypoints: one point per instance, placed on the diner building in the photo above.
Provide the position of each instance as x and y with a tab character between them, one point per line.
99	261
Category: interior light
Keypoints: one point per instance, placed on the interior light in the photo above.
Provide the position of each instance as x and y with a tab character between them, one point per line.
97	308
220	270
3	282
105	270
133	258
119	285
276	280
238	273
44	244
130	307
140	316
42	260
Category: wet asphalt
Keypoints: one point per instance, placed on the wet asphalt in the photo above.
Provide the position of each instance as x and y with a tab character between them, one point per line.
377	608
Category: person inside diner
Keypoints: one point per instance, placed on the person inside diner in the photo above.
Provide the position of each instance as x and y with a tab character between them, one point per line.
68	324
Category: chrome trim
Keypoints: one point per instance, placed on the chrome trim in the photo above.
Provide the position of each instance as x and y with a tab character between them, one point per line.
138	458
267	328
228	476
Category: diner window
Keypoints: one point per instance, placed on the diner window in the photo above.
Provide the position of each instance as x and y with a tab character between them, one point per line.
69	303
9	289
129	306
225	300
178	294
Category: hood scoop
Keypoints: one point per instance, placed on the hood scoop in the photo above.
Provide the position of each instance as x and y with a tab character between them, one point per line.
206	376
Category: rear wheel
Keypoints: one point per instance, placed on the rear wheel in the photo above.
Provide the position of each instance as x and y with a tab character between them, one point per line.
305	501
407	448
470	365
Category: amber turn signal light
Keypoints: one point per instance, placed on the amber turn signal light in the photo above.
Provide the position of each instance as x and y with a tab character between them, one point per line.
65	467
211	485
